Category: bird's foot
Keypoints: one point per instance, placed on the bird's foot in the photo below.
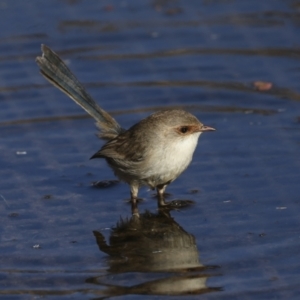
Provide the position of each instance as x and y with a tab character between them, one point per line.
137	200
134	206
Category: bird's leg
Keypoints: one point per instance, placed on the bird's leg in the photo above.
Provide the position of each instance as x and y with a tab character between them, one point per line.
133	195
160	195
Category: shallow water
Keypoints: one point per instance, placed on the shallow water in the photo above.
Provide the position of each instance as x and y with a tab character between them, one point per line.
63	238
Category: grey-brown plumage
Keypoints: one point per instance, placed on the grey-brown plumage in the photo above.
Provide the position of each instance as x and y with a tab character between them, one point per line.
153	152
57	73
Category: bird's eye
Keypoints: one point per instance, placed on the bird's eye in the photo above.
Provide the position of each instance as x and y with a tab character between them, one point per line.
184	129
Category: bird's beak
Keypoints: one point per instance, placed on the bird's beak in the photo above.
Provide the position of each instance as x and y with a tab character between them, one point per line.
206	128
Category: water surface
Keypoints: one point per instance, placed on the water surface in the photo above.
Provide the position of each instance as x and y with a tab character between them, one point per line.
63	238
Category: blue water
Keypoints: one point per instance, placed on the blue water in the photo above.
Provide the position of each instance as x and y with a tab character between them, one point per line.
62	238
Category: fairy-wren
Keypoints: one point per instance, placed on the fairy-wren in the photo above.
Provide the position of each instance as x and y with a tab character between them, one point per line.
153	152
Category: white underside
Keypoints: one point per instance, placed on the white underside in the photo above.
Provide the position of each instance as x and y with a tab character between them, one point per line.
171	161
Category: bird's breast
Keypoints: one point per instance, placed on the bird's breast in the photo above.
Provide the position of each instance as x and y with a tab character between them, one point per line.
172	159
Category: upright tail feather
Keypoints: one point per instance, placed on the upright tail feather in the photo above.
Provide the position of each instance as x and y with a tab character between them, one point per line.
57	73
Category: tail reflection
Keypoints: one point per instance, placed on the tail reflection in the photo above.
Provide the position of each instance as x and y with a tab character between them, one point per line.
159	248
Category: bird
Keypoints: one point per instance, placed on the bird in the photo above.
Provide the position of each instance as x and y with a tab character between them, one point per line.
153	152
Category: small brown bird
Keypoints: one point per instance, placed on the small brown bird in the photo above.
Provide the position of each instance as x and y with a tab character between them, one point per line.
153	152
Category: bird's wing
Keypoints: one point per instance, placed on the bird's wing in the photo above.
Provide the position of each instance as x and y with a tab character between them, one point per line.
120	148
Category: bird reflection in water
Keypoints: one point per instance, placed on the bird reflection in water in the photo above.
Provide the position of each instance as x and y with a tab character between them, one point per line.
157	252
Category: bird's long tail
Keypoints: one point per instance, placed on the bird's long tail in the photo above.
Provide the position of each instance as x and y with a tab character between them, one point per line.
57	73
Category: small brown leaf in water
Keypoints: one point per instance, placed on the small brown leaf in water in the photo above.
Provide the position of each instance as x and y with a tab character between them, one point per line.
262	85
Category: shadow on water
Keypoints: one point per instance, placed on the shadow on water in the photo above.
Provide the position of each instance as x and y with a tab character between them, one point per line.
267	18
155	246
279	92
202	108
